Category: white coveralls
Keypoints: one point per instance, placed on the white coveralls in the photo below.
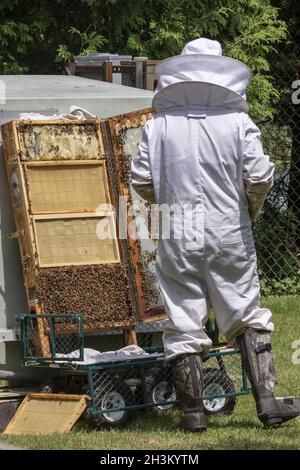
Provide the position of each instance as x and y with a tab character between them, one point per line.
202	152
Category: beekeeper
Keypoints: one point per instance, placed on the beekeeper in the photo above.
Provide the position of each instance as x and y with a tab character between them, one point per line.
202	161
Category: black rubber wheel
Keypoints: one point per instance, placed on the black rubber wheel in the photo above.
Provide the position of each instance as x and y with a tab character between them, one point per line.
160	388
115	394
217	382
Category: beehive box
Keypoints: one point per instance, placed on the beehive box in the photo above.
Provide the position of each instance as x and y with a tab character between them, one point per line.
65	179
60	191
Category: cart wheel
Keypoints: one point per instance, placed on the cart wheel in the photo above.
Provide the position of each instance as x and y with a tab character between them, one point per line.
160	388
217	382
55	385
116	394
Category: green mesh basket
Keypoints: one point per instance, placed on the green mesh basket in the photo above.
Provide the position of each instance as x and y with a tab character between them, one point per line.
51	337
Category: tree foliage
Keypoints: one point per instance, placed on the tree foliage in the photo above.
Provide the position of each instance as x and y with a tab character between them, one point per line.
37	36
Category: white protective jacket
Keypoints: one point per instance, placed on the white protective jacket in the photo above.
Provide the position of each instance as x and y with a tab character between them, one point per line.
201	157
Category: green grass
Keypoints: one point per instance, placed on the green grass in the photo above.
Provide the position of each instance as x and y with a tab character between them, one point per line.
241	430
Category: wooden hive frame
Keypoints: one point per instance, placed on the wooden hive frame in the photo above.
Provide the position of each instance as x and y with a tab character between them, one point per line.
113	131
43	413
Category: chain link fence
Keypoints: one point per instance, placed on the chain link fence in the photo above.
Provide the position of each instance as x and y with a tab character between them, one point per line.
277	232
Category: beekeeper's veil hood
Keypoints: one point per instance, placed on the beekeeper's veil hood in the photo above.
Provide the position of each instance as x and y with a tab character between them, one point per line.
201	76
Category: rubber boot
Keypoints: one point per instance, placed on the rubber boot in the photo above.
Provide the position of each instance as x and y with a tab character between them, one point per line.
256	352
188	379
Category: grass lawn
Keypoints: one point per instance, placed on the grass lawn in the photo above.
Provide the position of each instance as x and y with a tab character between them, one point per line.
241	430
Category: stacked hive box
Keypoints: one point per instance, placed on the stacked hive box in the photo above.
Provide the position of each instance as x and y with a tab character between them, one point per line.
61	197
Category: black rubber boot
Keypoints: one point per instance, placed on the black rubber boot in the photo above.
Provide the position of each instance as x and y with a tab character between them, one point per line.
188	379
256	352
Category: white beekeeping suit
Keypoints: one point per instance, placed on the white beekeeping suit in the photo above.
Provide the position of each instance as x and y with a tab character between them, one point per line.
201	154
202	161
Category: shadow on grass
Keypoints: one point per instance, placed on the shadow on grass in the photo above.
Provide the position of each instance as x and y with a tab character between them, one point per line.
167	422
